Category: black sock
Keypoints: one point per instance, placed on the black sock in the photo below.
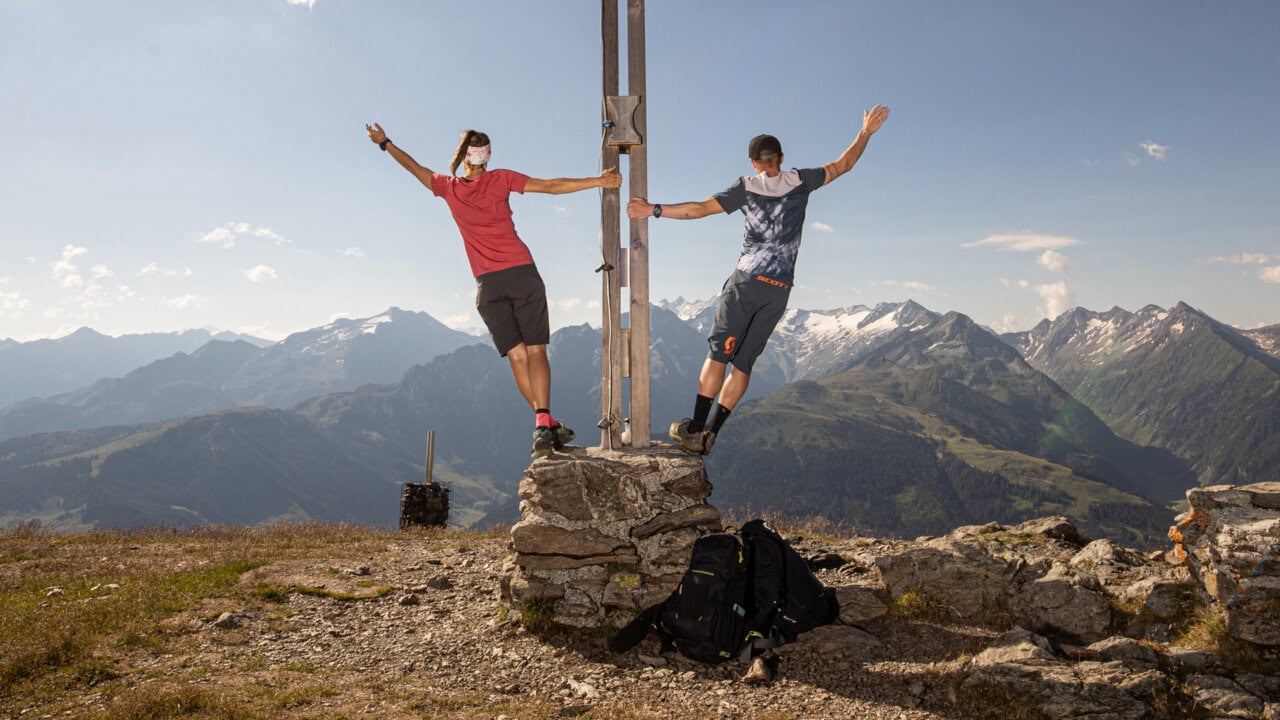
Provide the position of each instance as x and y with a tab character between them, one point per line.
722	414
701	408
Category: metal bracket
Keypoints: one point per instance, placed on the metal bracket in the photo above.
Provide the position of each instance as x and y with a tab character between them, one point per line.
621	132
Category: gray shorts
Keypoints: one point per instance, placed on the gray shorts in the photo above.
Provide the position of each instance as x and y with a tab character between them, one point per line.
750	308
513	305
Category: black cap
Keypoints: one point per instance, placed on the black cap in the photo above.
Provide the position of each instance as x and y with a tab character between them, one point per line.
763	144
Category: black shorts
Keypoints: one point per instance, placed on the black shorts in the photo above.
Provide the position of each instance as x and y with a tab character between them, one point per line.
513	305
750	308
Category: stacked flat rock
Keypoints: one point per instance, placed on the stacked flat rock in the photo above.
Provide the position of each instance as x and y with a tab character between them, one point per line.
424	505
1229	539
605	533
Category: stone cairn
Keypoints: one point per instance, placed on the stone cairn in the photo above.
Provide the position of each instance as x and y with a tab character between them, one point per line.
1229	539
424	505
605	533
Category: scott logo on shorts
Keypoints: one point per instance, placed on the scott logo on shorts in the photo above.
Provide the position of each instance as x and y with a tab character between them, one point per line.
729	344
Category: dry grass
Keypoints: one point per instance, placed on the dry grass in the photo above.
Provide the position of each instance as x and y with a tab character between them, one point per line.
71	606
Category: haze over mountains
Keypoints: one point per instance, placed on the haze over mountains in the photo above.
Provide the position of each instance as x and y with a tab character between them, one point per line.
895	419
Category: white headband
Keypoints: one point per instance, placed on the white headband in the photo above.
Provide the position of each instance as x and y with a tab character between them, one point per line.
478	155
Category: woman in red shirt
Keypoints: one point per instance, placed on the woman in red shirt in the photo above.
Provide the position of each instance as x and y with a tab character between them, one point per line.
510	295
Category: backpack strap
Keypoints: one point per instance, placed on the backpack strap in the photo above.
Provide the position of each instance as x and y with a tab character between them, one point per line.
636	630
758	642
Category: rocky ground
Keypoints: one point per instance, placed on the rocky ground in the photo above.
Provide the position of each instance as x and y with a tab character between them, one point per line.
437	643
411	626
990	621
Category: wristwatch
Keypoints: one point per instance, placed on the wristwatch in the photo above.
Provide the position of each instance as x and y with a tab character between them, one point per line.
657	211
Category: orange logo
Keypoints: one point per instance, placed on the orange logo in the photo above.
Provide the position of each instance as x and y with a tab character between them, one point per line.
728	345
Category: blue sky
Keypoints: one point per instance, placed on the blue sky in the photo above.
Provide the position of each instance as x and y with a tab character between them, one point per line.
204	164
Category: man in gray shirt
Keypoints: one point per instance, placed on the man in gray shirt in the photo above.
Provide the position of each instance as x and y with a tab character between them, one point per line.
755	296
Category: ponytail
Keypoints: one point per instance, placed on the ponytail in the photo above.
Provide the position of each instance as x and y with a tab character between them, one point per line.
470	138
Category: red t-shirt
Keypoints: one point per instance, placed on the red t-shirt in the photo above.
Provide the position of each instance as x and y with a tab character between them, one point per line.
483	213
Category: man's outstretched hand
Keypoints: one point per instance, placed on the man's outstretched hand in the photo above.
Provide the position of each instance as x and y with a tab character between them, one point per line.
872	119
376	135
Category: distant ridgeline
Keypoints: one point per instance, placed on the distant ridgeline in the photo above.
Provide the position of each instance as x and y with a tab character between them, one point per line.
894	420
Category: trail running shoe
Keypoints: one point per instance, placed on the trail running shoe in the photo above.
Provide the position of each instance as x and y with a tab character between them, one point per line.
544	440
696	443
563	436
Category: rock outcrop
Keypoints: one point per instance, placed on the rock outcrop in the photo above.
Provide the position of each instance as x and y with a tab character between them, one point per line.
1229	540
605	533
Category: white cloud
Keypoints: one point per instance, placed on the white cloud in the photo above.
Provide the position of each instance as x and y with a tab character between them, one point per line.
909	285
65	272
1159	152
1055	262
1057	298
101	270
353	252
12	304
1022	284
1241	259
185	302
560	209
155	269
1008	323
305	3
1025	241
271	235
593	304
822	227
228	234
1130	159
261	274
461	321
1270	275
568	303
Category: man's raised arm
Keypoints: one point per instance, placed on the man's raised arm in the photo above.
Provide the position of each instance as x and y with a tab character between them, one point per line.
639	208
871	121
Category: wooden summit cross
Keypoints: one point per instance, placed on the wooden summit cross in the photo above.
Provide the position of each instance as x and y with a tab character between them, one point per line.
625	350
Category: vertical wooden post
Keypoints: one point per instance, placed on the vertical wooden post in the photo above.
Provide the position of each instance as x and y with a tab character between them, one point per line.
612	347
639	250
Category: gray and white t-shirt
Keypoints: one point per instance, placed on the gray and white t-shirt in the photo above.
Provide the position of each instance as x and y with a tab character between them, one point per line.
774	211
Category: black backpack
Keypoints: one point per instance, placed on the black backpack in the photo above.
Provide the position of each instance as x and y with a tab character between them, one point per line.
742	594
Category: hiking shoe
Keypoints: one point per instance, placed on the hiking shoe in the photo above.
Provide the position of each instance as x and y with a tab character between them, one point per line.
563	436
544	441
697	443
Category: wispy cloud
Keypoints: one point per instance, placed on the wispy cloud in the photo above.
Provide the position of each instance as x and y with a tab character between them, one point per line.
354	253
261	274
65	272
308	4
1270	275
1240	259
461	321
568	303
909	285
1155	150
185	302
155	269
1055	261
822	227
229	234
13	304
1025	241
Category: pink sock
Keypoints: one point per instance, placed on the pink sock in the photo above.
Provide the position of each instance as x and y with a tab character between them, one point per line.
544	419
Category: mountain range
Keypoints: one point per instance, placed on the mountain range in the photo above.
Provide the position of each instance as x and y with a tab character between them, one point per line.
1175	379
895	419
341	355
45	367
